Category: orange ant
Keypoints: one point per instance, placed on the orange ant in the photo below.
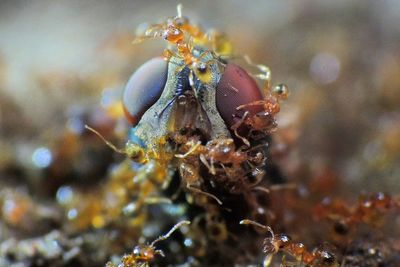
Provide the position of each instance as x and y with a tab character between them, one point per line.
155	170
172	30
281	242
175	31
222	153
263	121
367	210
280	91
143	254
131	150
218	150
188	172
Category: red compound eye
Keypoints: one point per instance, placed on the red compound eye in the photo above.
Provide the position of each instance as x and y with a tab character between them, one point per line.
235	88
144	88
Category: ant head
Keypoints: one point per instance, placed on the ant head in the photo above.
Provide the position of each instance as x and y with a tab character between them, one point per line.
181	22
325	258
281	91
282	240
269	246
143	253
276	243
173	34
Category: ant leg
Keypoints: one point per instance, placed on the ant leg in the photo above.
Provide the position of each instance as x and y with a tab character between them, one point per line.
236	126
264	75
262	189
254	103
173	229
205	162
285	263
226	170
265	71
196	190
141	39
159	252
108	143
215	58
275	187
268	260
212	166
152	31
190	44
278	187
191	150
168	54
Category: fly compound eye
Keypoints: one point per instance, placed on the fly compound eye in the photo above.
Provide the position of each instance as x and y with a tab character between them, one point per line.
144	88
235	88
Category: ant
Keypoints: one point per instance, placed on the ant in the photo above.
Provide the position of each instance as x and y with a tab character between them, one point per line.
172	30
189	41
235	169
131	150
137	153
188	171
280	91
189	167
263	121
367	210
281	242
176	31
218	150
143	254
154	170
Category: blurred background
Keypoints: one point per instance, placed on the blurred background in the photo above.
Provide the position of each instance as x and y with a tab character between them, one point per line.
64	64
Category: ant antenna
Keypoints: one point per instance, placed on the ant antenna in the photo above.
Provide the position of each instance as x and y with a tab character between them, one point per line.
179	10
236	126
278	187
173	229
194	189
247	221
108	143
262	189
265	71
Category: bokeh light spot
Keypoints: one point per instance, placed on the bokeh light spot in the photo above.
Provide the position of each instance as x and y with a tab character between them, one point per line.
324	68
42	157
